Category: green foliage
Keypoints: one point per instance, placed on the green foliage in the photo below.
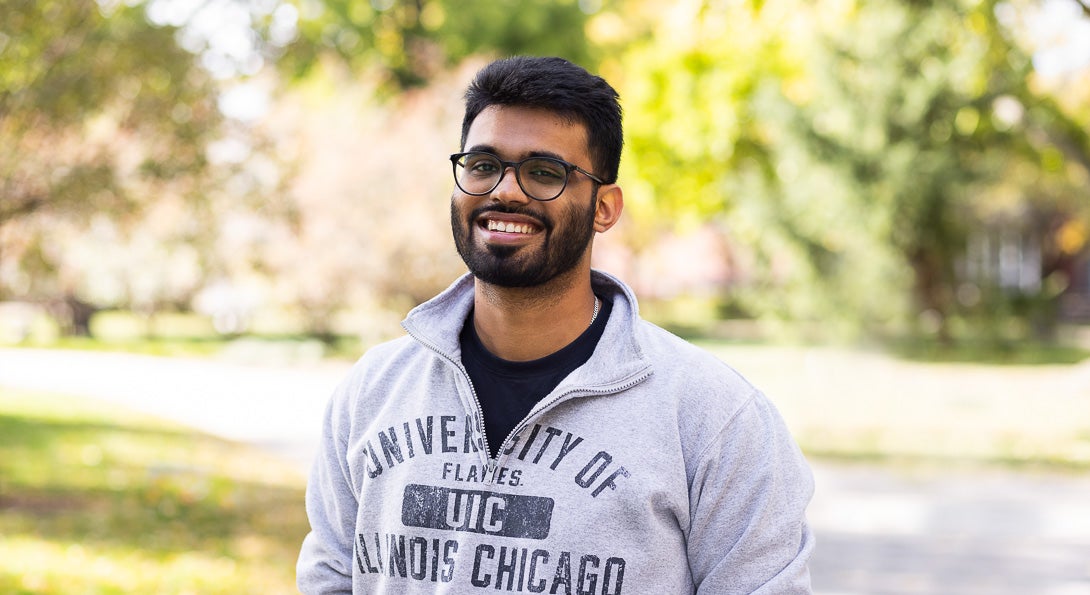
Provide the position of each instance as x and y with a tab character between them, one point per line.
78	88
686	121
851	150
921	140
101	115
411	41
97	499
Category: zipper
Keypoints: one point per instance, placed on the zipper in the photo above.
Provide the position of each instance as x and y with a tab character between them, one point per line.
490	463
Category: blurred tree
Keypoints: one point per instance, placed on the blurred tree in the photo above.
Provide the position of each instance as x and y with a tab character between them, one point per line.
113	195
370	232
854	147
411	41
852	152
101	113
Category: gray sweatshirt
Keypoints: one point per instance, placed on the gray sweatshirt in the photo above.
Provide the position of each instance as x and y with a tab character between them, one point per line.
653	468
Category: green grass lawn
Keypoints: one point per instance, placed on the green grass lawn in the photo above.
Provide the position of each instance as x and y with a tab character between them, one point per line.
95	499
856	405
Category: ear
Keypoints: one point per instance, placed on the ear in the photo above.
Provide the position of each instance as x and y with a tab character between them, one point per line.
610	205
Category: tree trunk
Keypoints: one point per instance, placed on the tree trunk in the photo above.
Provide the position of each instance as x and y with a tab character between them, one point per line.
932	293
73	315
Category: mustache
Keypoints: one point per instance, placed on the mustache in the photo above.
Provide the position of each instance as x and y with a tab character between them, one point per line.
542	220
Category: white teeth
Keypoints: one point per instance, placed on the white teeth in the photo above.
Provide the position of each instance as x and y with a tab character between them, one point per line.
507	227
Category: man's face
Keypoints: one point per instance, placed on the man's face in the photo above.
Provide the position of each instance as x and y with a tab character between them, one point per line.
505	237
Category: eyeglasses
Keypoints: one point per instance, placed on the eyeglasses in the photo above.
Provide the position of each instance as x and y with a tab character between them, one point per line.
542	178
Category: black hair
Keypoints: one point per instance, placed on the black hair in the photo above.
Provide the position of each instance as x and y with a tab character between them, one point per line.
556	85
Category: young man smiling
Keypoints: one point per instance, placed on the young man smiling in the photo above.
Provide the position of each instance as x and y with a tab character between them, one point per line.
531	433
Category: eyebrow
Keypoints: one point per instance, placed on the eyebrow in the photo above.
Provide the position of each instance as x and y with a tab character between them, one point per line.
492	149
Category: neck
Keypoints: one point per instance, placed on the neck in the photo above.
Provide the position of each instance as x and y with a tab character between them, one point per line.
523	324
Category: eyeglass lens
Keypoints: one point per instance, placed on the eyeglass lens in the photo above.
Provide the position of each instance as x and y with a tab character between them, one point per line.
541	178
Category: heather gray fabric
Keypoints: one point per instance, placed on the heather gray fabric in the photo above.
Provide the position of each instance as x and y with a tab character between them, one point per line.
653	468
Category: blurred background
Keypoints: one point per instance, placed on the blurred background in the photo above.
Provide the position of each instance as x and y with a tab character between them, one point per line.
878	211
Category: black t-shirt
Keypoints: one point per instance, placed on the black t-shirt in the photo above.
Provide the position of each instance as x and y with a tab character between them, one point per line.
508	390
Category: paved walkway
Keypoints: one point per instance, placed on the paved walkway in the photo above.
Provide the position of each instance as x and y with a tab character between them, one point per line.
880	530
950	532
276	407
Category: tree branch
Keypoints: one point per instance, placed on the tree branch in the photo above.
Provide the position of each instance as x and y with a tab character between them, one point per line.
23	208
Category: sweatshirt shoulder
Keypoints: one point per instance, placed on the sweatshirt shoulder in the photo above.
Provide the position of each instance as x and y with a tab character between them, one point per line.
706	391
720	415
387	349
380	355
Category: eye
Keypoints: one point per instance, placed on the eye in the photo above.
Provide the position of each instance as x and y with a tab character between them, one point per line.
481	165
545	171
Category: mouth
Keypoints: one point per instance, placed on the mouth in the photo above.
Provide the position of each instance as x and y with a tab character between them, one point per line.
508	226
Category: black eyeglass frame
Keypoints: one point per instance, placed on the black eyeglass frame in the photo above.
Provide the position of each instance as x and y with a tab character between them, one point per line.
515	166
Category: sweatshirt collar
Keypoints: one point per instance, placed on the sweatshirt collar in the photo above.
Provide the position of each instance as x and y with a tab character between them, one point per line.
618	359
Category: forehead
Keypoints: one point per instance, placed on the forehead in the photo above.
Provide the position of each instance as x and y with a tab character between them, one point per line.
518	132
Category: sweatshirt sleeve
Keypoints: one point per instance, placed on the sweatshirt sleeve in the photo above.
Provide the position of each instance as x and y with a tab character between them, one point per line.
748	531
326	557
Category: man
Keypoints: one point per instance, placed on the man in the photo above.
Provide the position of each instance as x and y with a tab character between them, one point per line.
531	433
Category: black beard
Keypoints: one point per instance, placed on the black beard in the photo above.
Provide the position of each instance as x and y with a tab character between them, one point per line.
514	266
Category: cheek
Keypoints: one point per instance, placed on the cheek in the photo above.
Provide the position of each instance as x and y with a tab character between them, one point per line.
459	210
457	218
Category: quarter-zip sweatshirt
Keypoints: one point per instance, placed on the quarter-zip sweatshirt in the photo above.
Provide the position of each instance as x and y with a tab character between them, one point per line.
652	468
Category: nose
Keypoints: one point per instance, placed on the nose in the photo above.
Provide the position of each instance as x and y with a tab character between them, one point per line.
508	190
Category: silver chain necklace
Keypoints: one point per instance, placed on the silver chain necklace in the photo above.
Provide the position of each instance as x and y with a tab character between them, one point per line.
597	304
